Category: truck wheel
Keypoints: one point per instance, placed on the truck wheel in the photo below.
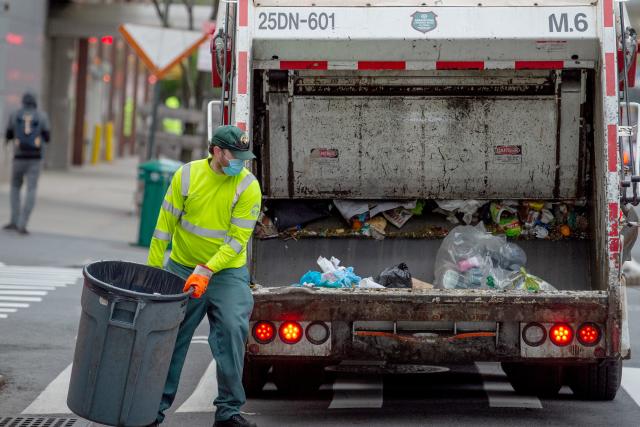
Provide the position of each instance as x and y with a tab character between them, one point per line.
298	377
533	379
254	376
596	381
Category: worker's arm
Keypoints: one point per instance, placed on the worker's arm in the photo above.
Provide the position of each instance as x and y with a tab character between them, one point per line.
170	213
243	221
10	132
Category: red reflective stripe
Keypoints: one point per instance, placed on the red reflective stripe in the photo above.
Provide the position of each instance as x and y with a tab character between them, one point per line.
242	126
303	65
614	245
539	65
613	219
242	73
610	70
381	65
608	13
612	147
459	65
244	14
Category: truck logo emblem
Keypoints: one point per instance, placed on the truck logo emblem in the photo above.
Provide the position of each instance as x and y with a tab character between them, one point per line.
424	21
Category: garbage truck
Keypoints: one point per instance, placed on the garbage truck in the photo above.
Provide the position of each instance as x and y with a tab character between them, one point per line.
449	100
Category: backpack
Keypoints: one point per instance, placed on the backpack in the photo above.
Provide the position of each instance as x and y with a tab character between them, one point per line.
28	130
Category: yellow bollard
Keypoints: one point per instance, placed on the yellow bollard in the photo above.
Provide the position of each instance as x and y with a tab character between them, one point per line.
108	142
97	139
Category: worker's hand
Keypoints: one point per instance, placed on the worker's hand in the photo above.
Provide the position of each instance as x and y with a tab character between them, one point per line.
199	280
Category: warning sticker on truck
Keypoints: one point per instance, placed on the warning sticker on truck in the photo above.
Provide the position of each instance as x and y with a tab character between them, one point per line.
508	154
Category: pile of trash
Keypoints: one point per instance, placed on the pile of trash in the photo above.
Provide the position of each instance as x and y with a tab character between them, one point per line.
371	218
333	275
471	258
535	219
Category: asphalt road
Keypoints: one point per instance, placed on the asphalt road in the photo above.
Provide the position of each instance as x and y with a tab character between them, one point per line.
38	339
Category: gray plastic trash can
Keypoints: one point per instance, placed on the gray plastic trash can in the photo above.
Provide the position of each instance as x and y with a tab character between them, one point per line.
128	328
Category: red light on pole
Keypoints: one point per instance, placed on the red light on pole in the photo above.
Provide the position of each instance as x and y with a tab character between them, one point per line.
14	39
93	40
107	40
152	79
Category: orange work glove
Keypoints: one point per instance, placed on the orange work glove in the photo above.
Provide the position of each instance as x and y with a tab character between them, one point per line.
199	280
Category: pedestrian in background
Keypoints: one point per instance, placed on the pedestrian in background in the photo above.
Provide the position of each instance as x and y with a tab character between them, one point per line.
28	129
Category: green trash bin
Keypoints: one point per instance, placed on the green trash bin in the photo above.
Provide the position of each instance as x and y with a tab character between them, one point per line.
156	176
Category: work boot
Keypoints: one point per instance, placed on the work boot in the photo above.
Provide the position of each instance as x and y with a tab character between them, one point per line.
235	421
23	231
10	227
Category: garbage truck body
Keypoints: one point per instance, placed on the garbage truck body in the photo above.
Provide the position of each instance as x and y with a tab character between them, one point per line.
447	100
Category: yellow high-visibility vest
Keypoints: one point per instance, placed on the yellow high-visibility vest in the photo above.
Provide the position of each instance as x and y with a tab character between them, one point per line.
208	217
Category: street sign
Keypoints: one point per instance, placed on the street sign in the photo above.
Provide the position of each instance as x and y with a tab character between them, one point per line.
161	48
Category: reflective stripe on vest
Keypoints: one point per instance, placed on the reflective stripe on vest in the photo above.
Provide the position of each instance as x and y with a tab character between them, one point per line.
243	223
171	209
203	232
235	245
159	234
244	184
185	179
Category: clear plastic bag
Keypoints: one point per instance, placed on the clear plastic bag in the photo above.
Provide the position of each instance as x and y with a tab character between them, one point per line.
471	258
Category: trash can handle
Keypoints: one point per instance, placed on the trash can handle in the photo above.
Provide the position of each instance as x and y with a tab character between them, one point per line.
123	323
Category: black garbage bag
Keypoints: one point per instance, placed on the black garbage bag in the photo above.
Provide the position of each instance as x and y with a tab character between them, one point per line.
397	276
291	213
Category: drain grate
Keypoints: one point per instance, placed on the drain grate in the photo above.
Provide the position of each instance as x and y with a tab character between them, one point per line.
39	422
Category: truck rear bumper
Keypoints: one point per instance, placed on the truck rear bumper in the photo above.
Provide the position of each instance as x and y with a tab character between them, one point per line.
405	326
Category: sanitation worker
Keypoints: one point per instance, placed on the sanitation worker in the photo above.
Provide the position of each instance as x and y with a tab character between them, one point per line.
208	215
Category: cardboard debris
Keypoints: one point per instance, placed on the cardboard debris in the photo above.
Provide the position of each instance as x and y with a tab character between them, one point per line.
419	285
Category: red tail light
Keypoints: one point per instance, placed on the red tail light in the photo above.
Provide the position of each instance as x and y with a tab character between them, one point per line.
589	334
561	334
264	332
290	332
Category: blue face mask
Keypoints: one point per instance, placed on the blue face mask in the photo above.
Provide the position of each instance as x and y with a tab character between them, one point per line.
234	168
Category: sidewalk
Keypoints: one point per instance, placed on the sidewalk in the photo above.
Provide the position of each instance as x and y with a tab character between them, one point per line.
81	215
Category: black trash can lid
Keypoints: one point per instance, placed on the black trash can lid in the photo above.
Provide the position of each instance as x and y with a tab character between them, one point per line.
133	280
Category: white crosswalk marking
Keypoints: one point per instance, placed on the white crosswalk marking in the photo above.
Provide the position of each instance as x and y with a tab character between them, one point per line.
201	400
53	400
500	393
22	285
631	383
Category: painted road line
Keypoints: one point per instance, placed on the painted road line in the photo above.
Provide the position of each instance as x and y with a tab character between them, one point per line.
357	393
631	383
499	392
32	293
36	282
201	400
53	399
23	299
14	304
29	287
8	310
3	316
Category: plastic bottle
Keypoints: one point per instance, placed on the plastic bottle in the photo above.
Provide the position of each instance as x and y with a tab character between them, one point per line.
453	280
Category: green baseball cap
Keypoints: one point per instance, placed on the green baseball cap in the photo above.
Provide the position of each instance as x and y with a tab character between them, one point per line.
233	139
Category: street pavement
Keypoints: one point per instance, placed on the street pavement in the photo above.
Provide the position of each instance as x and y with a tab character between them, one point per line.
87	214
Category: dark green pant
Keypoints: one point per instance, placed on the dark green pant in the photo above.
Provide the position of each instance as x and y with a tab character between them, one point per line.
227	303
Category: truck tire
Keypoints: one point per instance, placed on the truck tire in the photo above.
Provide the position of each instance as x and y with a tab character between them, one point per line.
596	381
254	376
534	379
294	378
